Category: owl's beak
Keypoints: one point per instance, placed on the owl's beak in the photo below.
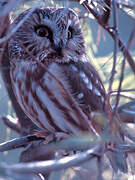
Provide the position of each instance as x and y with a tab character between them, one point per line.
58	47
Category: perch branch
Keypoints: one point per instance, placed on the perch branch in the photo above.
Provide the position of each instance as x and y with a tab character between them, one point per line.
51	165
14	126
18	142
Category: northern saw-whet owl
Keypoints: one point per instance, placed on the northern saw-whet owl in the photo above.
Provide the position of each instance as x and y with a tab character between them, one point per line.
52	77
50	42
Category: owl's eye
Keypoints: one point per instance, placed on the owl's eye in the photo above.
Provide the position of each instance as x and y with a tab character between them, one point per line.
42	31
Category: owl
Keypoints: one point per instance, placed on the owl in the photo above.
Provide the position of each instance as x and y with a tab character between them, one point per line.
52	77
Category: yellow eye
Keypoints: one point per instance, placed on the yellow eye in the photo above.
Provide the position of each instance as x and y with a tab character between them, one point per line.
69	34
42	31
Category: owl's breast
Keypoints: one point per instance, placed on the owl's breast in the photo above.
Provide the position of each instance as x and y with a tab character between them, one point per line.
46	97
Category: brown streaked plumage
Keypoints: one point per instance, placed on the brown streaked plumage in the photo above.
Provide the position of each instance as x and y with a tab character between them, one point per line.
54	39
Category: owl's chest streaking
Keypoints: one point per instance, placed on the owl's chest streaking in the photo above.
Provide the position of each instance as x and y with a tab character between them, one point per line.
58	97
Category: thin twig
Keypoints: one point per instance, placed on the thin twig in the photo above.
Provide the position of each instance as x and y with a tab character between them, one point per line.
124	95
106	12
124	4
12	32
111	32
129	135
19	142
6	9
123	90
4	24
122	70
115	45
13	126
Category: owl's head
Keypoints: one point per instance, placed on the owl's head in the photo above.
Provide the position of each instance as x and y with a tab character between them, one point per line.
48	34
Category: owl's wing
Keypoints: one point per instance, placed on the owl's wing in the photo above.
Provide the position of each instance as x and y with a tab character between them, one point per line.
86	86
88	89
83	83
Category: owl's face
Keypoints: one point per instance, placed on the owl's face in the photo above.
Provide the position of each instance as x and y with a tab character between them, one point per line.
48	33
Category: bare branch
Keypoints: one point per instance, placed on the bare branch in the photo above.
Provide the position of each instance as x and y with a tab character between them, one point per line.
122	70
18	142
115	45
107	11
124	4
9	35
11	125
8	6
111	32
51	165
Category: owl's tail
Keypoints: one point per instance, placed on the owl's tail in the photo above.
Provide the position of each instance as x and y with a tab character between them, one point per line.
113	136
118	160
118	156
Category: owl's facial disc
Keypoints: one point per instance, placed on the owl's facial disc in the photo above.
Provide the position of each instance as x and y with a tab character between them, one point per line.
58	39
51	34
